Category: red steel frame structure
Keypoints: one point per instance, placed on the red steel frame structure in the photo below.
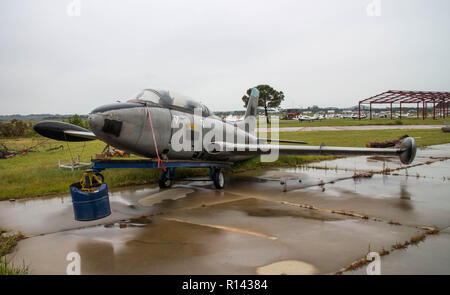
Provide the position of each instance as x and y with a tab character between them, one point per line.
440	101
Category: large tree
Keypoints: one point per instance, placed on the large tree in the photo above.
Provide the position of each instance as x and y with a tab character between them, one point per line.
268	98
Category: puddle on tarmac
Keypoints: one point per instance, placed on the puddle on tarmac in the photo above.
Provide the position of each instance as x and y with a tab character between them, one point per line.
287	267
246	226
438	171
227	228
430	257
304	173
168	194
378	163
378	159
440	150
274	181
217	240
52	214
363	163
408	200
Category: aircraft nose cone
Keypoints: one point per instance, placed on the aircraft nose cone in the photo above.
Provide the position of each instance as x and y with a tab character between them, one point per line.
95	121
97	117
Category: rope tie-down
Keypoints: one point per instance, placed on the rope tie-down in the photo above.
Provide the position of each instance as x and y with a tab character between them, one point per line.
160	161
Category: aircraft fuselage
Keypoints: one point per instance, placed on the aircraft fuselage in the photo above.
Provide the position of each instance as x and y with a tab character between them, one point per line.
127	126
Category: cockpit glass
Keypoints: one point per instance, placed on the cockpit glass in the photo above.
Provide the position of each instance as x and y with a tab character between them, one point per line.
170	98
205	111
149	95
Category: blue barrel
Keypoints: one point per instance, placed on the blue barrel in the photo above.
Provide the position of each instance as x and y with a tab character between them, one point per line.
90	205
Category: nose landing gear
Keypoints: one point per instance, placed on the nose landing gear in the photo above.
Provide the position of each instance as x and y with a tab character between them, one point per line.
165	178
218	178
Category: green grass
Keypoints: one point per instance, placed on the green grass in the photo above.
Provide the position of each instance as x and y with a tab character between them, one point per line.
363	122
7	268
7	245
37	173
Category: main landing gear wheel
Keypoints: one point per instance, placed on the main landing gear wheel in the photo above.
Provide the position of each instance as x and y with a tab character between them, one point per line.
164	181
218	179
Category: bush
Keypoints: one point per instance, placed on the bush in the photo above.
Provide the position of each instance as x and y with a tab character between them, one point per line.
15	128
77	120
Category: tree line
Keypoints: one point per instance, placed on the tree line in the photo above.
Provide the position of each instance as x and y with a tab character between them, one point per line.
18	128
268	98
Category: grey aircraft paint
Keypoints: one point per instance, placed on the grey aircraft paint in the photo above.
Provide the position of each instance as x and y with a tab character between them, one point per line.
127	126
136	134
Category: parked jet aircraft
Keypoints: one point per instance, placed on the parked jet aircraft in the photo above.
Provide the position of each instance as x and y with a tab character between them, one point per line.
304	118
150	125
231	118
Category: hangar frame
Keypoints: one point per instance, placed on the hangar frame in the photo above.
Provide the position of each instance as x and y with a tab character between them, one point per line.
440	101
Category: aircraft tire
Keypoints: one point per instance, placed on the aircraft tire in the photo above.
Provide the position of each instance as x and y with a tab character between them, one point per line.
219	179
164	181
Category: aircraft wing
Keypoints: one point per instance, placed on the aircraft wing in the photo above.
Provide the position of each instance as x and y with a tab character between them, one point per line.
63	131
406	151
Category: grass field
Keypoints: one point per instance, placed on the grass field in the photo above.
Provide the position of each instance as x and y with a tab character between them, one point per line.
364	122
7	244
37	173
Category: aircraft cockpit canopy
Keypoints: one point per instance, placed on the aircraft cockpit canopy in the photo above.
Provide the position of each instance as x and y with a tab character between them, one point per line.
172	100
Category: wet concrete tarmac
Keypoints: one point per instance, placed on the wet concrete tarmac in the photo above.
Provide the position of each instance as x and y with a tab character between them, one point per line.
299	220
431	257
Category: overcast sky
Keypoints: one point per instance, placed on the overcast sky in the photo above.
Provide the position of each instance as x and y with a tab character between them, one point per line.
328	53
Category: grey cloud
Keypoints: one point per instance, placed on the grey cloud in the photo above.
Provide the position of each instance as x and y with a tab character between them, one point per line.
317	52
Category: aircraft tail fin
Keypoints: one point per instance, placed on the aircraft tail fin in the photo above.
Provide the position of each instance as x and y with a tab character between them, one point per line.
249	122
252	105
